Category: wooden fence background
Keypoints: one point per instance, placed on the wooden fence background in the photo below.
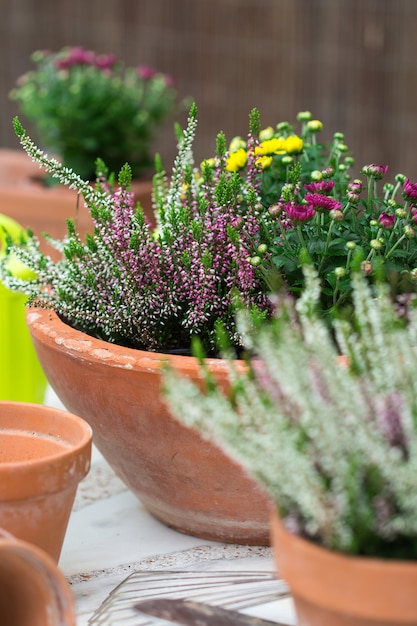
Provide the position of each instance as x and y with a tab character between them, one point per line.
353	63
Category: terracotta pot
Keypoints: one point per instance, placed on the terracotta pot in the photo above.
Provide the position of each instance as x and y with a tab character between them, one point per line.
25	198
184	481
44	453
33	591
332	589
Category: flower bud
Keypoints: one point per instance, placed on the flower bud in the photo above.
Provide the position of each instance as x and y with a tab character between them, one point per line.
341	167
400	178
338	136
342	147
349	161
255	261
386	220
337	215
283	126
236	143
287	159
353	197
340	272
401	212
275	209
409	231
375	171
316	175
350	245
413	274
328	172
266	133
262	248
373	223
314	126
375	244
304	116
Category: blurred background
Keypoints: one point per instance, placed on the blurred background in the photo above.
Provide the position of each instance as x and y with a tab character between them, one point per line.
352	63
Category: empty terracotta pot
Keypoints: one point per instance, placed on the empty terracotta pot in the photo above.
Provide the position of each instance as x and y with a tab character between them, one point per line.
33	591
44	453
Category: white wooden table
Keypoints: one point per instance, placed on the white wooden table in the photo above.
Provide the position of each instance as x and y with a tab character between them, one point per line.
111	536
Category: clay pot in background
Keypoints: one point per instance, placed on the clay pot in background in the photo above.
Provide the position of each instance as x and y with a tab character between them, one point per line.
33	591
25	198
44	453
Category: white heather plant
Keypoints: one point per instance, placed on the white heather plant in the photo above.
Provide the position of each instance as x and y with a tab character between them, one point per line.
328	428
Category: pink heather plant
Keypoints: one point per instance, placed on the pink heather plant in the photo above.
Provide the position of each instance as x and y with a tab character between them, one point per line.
241	226
85	105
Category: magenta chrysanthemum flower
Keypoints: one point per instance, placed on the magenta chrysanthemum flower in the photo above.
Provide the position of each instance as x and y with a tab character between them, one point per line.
410	190
322	203
321	186
386	220
299	212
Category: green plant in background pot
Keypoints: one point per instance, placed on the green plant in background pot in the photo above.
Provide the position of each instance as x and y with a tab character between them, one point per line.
230	231
326	421
84	105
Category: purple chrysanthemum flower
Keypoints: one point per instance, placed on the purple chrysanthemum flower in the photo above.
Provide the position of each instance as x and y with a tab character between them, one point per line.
321	186
299	212
322	203
410	190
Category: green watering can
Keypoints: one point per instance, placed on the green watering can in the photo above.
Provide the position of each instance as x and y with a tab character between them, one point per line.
21	376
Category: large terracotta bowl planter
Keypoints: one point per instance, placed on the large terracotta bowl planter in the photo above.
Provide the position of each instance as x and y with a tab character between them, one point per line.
44	453
33	591
332	589
24	197
184	481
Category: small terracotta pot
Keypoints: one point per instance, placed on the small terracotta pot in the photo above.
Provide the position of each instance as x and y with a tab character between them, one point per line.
44	453
33	591
183	480
332	589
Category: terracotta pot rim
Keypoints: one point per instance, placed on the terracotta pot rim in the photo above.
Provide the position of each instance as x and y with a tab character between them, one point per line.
46	322
315	549
35	473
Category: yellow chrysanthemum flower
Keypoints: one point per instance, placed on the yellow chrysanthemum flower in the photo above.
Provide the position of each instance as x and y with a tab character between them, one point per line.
236	160
293	144
263	162
270	146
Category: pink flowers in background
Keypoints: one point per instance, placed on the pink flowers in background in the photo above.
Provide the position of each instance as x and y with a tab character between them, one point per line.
77	55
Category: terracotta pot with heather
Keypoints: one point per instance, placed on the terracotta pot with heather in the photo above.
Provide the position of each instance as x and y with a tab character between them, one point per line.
184	481
44	454
33	591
